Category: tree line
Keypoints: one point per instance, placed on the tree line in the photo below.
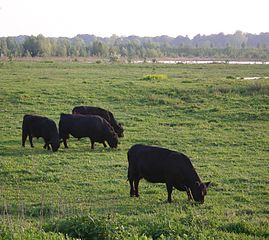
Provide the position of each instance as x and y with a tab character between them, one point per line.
218	46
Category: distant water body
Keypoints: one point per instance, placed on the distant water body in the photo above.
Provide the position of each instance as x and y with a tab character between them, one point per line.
205	62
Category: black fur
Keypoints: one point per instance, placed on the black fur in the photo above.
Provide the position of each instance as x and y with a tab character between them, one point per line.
37	126
107	115
94	127
161	165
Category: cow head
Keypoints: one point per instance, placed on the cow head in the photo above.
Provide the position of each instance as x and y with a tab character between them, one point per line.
199	191
55	144
113	140
119	130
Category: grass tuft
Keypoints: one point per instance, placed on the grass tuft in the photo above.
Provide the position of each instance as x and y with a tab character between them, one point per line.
155	77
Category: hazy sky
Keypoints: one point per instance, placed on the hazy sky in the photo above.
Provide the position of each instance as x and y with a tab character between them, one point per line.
54	18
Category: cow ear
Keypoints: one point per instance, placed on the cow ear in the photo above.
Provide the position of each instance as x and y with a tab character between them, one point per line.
207	184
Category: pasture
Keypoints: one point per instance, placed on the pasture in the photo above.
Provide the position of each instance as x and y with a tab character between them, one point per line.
209	112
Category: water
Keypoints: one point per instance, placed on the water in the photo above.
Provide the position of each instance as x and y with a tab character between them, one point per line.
252	78
204	62
209	62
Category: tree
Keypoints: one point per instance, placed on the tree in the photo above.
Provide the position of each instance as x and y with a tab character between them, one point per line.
13	47
3	47
44	46
61	48
99	49
78	47
31	46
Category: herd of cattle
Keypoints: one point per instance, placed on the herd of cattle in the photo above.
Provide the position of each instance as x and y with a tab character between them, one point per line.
155	164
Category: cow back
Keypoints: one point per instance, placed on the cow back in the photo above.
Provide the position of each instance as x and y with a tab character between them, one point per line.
157	164
107	115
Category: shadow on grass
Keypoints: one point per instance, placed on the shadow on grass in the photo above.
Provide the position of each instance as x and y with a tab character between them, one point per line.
13	148
246	228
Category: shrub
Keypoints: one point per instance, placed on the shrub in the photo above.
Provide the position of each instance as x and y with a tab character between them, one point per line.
155	77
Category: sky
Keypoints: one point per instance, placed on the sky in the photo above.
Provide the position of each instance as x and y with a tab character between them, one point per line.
67	18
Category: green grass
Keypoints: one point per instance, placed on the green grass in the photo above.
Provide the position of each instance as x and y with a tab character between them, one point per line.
155	77
206	111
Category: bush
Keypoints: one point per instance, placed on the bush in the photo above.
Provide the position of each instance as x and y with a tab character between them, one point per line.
155	77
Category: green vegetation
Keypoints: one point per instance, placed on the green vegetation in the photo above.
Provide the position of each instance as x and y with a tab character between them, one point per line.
209	112
239	46
155	77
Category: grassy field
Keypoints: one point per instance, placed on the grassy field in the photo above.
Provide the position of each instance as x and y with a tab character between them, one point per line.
208	112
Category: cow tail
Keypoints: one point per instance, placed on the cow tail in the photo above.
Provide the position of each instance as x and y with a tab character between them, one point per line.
128	175
24	131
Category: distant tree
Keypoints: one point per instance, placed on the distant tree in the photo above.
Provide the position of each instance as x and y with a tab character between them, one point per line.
14	48
31	46
99	49
43	45
61	48
78	48
237	45
3	47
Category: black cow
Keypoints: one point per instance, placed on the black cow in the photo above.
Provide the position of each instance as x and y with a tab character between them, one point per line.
107	115
37	126
92	126
161	165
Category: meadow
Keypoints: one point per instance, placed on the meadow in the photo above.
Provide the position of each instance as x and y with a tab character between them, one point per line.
208	112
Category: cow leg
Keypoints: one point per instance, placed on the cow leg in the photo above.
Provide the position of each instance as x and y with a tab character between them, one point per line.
132	191
65	143
31	140
46	146
92	144
136	183
131	181
24	136
169	188
104	144
189	194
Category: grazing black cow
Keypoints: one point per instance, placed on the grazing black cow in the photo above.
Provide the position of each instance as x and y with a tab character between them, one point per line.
161	165
37	126
92	126
107	115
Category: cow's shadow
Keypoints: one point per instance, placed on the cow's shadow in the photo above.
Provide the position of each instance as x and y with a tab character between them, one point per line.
13	148
84	145
16	150
85	148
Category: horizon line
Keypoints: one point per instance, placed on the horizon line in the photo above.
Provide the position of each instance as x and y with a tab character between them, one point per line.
135	35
